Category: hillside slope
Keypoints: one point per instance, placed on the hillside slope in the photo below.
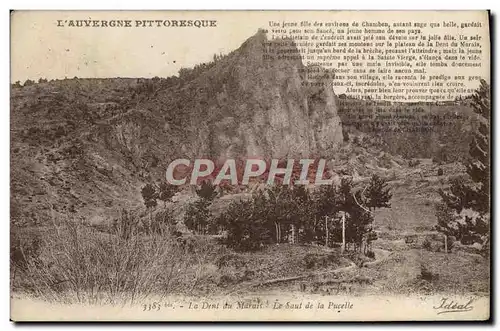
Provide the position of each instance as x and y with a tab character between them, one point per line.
84	147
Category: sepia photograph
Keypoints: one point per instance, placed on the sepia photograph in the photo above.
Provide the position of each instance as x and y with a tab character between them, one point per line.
250	166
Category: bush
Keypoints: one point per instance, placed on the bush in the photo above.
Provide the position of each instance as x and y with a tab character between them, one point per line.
164	223
345	134
80	263
312	260
413	163
230	260
126	225
23	250
426	274
197	217
427	244
433	244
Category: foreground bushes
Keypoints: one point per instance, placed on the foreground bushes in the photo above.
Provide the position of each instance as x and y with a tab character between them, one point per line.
80	263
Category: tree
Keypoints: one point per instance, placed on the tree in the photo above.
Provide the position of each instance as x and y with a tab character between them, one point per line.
197	216
269	216
207	191
359	218
165	192
302	202
328	204
479	167
280	208
247	223
377	194
358	225
149	195
28	82
447	224
465	209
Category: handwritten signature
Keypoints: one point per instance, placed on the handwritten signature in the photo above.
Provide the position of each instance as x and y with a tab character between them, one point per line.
451	306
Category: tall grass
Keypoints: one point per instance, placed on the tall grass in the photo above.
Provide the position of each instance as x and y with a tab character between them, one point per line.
78	263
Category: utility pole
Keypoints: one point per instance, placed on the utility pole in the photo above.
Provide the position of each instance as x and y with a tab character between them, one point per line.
326	231
445	243
343	232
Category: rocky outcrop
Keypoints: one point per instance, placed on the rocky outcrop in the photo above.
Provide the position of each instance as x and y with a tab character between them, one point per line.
266	106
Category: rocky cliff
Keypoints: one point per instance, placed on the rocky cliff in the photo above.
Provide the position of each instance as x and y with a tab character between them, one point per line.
249	105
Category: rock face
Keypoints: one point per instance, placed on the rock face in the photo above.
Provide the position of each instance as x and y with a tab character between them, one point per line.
268	107
288	115
84	146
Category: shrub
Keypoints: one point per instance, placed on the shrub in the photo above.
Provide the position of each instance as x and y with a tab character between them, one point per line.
24	250
80	263
229	260
433	244
126	225
345	134
165	223
310	261
313	260
426	274
198	216
427	244
413	163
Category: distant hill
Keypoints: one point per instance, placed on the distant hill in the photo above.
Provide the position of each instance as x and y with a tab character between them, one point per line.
85	147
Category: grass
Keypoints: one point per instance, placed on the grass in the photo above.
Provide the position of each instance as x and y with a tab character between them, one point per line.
77	263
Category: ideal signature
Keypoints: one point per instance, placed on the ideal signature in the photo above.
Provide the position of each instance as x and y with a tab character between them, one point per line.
452	306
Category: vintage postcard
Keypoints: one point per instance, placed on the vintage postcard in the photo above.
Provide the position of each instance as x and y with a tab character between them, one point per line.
250	166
